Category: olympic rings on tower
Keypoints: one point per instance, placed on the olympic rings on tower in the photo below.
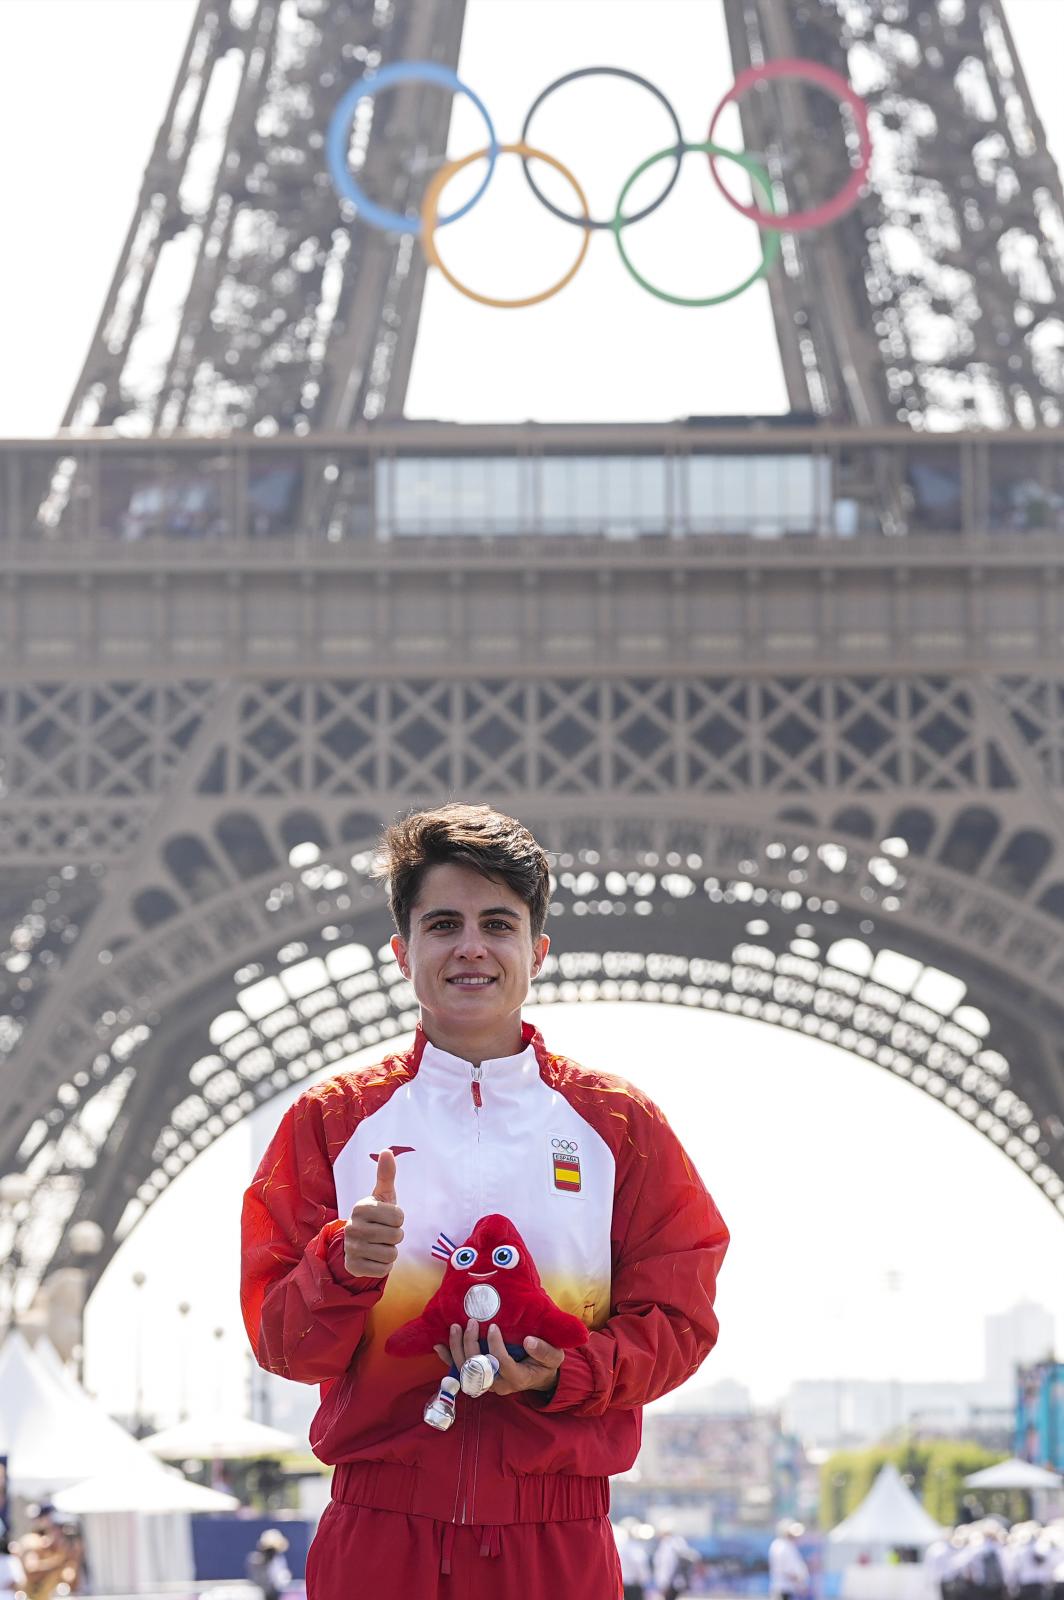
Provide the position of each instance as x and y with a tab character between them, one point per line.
428	225
339	135
611	72
767	217
824	78
770	248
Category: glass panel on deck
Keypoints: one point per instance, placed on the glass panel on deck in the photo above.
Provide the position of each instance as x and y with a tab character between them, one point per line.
617	496
275	484
179	496
453	494
934	484
1026	494
757	493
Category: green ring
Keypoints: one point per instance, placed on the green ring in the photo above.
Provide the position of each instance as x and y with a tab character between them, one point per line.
771	243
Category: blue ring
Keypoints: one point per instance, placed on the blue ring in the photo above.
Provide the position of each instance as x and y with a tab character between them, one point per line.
339	138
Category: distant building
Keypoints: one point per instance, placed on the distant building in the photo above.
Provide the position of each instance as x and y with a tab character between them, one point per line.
712	1473
829	1413
725	1398
1016	1338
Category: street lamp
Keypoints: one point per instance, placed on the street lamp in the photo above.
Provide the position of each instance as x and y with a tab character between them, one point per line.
893	1282
182	1412
86	1239
139	1279
218	1480
219	1376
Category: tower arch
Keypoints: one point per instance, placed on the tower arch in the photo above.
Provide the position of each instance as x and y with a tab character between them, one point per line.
780	925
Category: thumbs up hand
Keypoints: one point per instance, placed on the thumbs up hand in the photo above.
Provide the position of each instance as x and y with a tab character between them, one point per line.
384	1188
375	1230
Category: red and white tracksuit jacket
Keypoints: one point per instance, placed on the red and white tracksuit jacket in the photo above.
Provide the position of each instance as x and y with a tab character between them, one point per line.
615	1215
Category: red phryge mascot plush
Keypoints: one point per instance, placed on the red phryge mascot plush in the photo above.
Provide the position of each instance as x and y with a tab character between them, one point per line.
492	1278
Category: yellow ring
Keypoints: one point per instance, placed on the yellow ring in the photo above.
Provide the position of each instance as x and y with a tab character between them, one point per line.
429	220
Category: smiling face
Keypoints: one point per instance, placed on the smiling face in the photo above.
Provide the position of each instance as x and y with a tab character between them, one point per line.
471	959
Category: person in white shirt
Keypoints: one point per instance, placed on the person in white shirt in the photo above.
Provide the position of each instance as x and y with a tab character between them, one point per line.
1029	1565
1055	1533
954	1577
634	1558
938	1564
12	1574
788	1574
985	1568
672	1559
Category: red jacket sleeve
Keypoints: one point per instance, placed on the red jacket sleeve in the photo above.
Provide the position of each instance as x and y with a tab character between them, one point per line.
304	1313
669	1242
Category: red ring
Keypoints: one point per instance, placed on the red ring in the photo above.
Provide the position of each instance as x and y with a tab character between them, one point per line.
824	78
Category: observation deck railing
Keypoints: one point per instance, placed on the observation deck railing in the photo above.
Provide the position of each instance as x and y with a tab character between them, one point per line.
415	480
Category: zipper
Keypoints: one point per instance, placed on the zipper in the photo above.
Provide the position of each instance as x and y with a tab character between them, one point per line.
467	1485
461	1459
467	1509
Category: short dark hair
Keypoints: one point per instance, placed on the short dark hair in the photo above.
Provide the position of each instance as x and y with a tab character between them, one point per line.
493	844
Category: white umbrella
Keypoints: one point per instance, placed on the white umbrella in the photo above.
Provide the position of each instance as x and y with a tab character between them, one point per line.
218	1439
159	1489
1014	1474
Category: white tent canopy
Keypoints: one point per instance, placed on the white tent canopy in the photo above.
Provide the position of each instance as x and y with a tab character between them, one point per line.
219	1439
136	1511
1014	1474
53	1364
52	1433
145	1491
889	1518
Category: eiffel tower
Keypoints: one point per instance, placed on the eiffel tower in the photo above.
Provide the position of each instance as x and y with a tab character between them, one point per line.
787	703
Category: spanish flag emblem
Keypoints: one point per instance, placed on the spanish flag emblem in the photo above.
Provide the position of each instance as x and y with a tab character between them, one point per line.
567	1173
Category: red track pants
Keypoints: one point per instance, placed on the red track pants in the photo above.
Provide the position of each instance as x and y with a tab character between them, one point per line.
361	1551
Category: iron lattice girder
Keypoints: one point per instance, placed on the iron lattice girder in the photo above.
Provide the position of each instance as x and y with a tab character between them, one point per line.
963	770
294	315
381	737
940	299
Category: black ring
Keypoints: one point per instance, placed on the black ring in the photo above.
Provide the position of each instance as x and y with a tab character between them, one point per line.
613	72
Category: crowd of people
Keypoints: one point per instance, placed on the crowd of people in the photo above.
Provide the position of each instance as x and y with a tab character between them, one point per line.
980	1560
658	1563
48	1561
989	1560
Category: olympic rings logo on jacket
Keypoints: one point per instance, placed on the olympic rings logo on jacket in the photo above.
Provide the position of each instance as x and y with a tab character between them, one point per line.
769	220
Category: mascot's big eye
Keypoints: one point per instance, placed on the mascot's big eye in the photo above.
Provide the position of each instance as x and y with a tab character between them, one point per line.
464	1258
505	1255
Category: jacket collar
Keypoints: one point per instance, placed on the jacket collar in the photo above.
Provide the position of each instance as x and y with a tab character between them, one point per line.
426	1057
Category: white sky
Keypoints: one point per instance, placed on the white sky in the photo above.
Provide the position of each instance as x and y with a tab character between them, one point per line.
829	1172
